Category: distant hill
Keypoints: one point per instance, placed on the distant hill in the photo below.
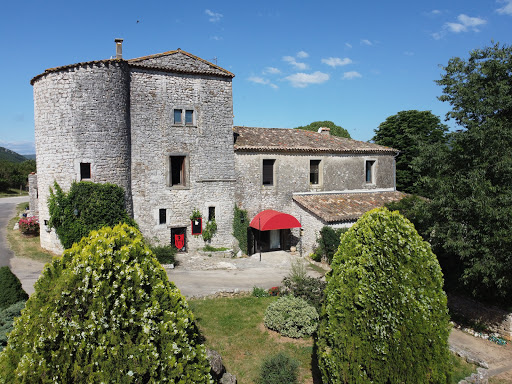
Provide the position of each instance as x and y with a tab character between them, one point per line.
30	157
7	154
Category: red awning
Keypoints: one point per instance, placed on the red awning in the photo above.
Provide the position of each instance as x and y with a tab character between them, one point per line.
270	220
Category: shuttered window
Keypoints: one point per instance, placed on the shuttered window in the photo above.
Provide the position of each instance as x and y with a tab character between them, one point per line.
268	172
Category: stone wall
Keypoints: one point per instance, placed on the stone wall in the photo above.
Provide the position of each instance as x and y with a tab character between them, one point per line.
33	194
291	174
207	145
81	115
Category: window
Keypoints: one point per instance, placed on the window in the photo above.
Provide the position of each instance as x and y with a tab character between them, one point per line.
211	213
268	172
370	171
162	213
85	171
177	116
177	171
189	117
183	116
314	172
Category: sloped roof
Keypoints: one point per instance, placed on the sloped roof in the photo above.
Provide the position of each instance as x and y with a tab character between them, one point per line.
179	61
171	61
297	140
345	206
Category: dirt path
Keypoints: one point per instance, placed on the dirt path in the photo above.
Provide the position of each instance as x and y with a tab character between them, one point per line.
497	358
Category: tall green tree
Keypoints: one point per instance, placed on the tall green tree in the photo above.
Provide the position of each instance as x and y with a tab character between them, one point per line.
336	130
472	202
411	132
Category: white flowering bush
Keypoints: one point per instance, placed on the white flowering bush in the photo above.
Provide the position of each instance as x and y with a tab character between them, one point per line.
384	317
291	317
105	313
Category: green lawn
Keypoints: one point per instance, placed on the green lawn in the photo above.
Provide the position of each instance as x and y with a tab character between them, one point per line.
234	328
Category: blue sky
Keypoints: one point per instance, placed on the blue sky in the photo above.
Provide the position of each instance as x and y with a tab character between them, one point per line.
352	62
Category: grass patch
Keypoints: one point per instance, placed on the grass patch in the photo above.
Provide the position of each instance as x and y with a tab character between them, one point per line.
461	368
25	245
11	192
209	248
234	328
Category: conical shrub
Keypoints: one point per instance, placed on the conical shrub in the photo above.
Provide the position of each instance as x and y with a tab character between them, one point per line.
105	312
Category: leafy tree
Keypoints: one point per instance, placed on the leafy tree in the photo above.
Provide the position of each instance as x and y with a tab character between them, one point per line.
105	312
471	205
86	207
11	290
7	316
336	130
384	317
410	132
15	174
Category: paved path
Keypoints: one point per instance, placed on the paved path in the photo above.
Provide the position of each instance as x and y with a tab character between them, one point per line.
7	211
497	357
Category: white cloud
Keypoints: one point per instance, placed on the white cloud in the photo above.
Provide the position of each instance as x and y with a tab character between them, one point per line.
214	16
507	9
408	53
465	24
435	12
336	61
351	75
271	71
216	38
21	147
348	45
291	60
302	55
302	80
366	42
261	80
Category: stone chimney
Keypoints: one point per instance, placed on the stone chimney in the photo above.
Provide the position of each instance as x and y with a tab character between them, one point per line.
119	48
324	130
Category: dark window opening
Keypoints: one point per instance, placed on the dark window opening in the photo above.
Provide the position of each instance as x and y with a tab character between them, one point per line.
314	171
211	213
268	172
162	215
177	116
177	170
85	171
189	117
369	170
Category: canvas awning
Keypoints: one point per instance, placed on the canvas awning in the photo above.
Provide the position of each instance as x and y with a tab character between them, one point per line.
271	220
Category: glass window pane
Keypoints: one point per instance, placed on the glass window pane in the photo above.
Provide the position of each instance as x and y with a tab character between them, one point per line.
177	116
189	117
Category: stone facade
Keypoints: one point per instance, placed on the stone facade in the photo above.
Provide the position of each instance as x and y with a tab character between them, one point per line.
161	127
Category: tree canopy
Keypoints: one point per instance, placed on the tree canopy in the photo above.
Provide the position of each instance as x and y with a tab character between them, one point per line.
336	130
384	317
410	132
471	202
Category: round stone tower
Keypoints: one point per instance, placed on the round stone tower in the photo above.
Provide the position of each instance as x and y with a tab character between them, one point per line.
82	130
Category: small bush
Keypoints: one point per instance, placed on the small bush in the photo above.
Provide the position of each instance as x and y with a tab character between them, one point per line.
279	369
11	290
29	225
240	226
7	316
310	289
165	254
209	230
328	243
291	317
259	292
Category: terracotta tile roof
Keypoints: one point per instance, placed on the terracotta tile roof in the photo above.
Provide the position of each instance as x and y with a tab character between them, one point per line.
345	206
293	140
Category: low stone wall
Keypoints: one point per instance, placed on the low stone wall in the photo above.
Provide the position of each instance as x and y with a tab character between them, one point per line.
495	319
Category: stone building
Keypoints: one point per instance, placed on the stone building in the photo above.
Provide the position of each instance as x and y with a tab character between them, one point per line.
161	127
